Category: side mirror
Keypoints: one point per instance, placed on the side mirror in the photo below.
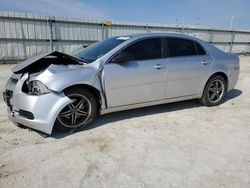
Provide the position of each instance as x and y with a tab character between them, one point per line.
122	58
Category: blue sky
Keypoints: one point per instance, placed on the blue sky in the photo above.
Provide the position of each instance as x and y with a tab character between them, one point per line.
211	13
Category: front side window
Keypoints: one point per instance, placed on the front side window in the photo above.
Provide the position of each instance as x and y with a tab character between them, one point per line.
145	49
181	47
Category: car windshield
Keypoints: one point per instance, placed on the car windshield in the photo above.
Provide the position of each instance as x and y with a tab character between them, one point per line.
99	49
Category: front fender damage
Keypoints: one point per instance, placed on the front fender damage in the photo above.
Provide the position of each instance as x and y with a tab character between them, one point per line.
58	71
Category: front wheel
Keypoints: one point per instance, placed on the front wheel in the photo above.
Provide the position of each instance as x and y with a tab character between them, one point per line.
214	91
80	112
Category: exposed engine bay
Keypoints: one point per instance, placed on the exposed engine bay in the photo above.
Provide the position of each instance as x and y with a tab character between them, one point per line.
41	62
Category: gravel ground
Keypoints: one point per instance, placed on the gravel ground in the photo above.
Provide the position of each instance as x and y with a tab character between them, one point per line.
174	145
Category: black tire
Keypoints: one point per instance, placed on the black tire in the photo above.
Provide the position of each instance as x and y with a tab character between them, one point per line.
79	113
212	94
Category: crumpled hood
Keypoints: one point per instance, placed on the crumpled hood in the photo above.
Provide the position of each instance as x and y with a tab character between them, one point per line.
58	77
41	62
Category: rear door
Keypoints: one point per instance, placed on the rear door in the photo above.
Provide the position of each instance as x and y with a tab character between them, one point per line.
188	66
142	79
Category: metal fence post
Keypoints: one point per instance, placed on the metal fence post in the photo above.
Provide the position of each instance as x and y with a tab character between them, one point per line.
106	31
182	29
102	30
147	29
232	40
51	33
211	36
107	25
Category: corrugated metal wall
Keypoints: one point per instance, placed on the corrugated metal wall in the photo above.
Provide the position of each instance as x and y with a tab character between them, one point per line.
24	35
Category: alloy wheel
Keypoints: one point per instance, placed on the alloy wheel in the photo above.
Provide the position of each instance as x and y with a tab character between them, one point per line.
76	113
215	91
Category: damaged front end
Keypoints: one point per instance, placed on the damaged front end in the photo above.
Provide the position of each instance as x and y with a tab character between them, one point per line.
34	93
36	107
41	62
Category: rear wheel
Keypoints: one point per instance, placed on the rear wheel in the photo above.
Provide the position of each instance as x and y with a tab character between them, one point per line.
214	91
80	112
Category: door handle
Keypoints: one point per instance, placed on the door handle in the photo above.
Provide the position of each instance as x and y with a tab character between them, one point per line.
204	62
158	66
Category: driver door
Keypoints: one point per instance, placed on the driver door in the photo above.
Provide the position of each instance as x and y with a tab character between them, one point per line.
138	80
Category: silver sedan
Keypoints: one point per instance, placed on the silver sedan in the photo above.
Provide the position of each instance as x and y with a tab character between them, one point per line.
56	90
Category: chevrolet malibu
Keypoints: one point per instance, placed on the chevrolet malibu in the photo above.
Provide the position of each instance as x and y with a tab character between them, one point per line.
56	90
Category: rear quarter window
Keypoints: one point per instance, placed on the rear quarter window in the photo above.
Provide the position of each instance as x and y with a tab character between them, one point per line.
200	50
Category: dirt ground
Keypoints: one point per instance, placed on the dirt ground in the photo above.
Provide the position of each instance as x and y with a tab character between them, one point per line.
181	145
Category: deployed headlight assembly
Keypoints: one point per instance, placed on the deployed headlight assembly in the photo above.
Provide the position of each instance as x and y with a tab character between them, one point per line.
37	88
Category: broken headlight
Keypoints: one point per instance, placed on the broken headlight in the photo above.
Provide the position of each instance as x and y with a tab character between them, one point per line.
36	87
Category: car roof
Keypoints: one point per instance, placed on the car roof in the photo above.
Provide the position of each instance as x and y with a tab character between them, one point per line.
167	34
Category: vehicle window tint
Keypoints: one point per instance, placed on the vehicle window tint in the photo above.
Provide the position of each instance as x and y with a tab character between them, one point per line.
200	50
145	49
181	47
98	49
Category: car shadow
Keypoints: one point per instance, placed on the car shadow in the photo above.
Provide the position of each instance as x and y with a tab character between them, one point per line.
231	95
129	114
145	111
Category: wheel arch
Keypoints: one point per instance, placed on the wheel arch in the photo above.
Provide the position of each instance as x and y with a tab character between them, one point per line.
222	74
96	92
203	96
